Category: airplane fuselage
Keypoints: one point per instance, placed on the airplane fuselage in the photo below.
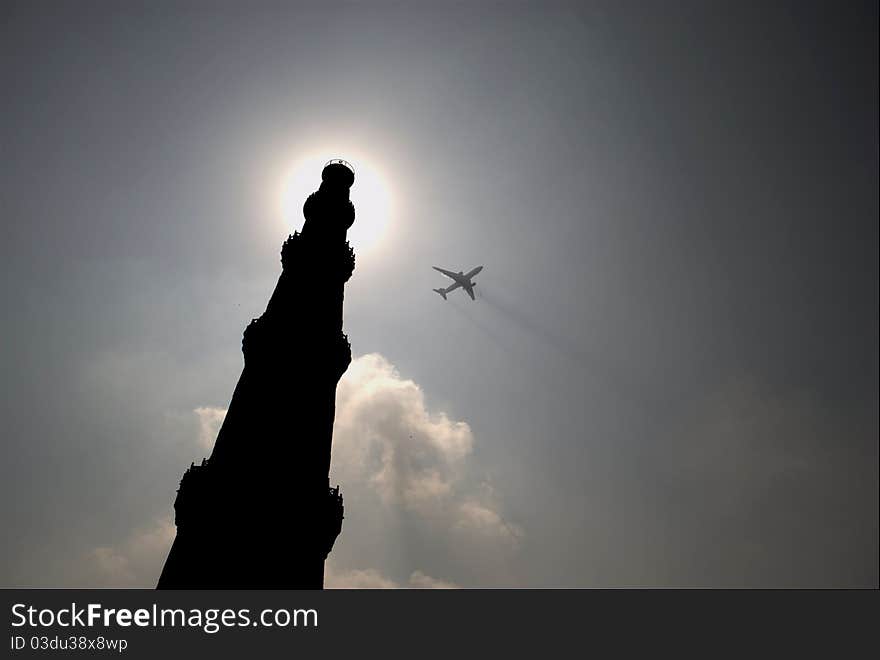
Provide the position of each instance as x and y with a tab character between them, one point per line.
460	280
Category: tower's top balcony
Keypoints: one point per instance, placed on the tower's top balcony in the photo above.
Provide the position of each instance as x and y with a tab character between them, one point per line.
338	172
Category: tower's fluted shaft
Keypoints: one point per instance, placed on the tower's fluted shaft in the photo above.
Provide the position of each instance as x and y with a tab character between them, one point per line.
260	513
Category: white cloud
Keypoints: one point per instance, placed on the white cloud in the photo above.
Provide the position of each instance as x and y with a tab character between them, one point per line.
474	517
370	578
392	455
411	456
418	580
210	421
409	469
414	458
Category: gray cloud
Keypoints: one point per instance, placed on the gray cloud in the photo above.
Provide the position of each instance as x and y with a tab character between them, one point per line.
765	489
135	562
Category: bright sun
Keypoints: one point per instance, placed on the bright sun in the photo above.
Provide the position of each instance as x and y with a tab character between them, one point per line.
370	195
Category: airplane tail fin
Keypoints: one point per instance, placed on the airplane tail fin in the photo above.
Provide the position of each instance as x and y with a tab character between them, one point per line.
441	292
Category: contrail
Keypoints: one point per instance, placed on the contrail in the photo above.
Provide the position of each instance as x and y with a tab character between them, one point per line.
571	353
507	309
468	314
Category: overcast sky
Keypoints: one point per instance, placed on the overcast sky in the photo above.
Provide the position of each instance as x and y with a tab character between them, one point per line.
669	376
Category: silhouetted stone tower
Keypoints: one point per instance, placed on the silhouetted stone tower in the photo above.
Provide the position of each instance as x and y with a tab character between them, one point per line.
260	513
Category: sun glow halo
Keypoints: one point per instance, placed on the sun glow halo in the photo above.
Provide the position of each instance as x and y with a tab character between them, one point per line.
369	194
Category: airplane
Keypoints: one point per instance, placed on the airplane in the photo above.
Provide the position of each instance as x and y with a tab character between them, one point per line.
460	279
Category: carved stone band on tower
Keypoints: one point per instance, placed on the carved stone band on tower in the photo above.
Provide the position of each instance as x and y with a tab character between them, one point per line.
260	512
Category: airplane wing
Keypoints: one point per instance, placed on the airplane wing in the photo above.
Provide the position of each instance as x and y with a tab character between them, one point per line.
473	272
448	273
470	290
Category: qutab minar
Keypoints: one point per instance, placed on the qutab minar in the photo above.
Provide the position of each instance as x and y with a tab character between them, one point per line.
259	513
